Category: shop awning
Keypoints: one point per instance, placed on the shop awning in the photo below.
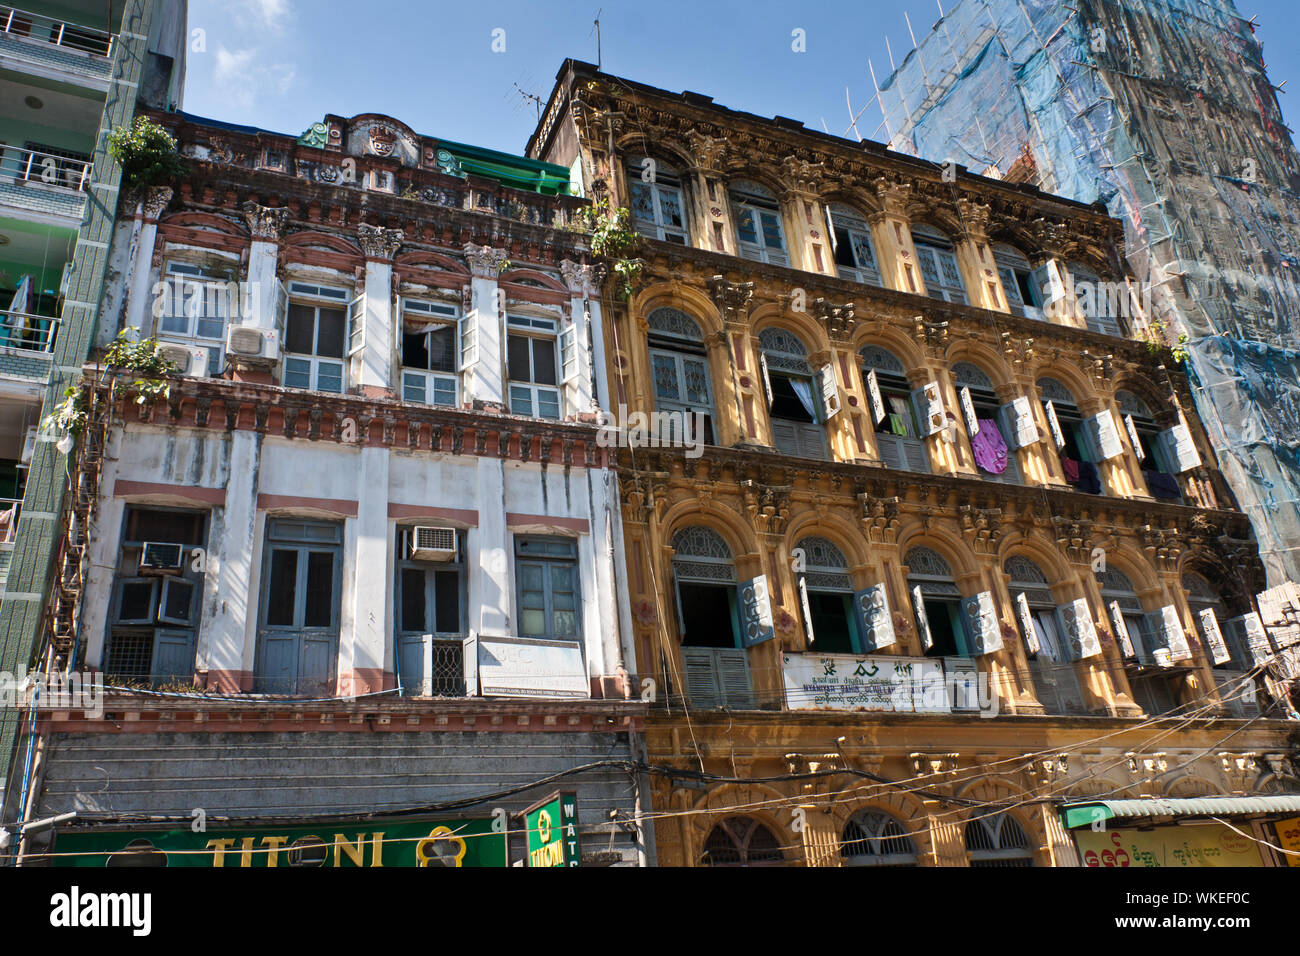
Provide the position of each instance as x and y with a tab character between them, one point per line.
1092	811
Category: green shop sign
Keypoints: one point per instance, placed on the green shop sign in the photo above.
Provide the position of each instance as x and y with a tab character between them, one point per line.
372	843
553	831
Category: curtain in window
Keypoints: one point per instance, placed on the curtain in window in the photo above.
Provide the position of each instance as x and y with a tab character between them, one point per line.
803	391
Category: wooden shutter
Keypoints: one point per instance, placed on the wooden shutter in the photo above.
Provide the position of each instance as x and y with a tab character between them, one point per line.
357	324
892	452
875	622
469	340
701	677
281	316
1027	624
922	622
1018	425
1133	438
1213	636
1176	638
930	413
830	391
1050	283
1079	634
802	585
767	378
785	437
732	667
1054	424
1252	637
173	657
1179	449
1102	436
968	412
755	611
877	400
982	623
568	354
1121	630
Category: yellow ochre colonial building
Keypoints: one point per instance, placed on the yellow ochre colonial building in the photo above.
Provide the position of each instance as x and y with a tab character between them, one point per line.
952	567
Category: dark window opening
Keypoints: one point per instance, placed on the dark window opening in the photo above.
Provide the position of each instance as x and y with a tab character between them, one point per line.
831	622
708	615
786	404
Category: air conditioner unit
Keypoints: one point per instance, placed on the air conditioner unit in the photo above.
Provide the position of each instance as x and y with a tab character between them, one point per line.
246	344
192	361
433	544
158	558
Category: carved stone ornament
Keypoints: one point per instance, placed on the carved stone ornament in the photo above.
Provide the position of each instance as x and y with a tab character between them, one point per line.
377	242
264	222
484	261
581	279
155	201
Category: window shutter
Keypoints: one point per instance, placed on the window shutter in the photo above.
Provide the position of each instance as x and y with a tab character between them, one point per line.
928	402
699	667
1121	630
1054	425
785	438
1213	636
1078	632
767	379
733	679
1027	624
1179	449
1176	638
802	585
968	410
830	392
281	316
1102	436
875	622
357	324
922	622
173	657
1050	283
568	354
469	340
681	618
1133	437
982	623
1253	638
877	400
891	451
1017	421
755	612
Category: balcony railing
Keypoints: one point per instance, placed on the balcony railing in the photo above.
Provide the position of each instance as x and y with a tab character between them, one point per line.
29	333
59	33
46	169
9	509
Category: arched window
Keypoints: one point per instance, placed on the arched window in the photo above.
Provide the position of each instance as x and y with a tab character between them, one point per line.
741	841
715	668
655	191
855	252
938	262
997	840
795	406
1139	422
679	367
1023	298
898	433
1065	422
872	838
1104	304
1154	691
826	591
936	602
1056	682
1226	643
994	456
759	231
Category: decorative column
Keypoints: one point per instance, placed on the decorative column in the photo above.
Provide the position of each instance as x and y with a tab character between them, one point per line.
373	367
266	226
733	300
716	230
851	424
1054	282
580	400
363	647
139	300
485	378
805	217
975	258
892	235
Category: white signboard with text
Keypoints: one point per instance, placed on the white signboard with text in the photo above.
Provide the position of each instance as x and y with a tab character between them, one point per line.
869	682
526	667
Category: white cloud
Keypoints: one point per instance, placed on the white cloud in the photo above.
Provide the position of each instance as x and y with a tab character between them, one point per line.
273	15
239	76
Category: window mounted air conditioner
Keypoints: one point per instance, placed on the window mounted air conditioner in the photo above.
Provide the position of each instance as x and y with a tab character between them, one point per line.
159	558
433	544
251	345
192	361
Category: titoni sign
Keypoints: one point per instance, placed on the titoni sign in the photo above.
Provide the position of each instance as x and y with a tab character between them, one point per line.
553	831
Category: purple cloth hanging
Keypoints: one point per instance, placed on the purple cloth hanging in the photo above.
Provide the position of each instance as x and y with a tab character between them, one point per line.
989	448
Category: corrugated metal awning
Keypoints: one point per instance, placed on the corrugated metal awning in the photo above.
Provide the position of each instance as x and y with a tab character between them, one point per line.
1093	811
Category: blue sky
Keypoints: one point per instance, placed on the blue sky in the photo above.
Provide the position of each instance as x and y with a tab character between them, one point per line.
283	64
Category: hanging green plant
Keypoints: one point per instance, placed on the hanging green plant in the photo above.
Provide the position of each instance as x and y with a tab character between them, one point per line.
614	240
69	416
147	154
141	355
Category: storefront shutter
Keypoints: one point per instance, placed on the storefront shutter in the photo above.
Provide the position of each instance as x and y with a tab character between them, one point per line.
830	391
922	622
982	623
755	612
1102	436
1213	636
930	413
1018	425
1178	448
1027	628
875	622
1079	634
